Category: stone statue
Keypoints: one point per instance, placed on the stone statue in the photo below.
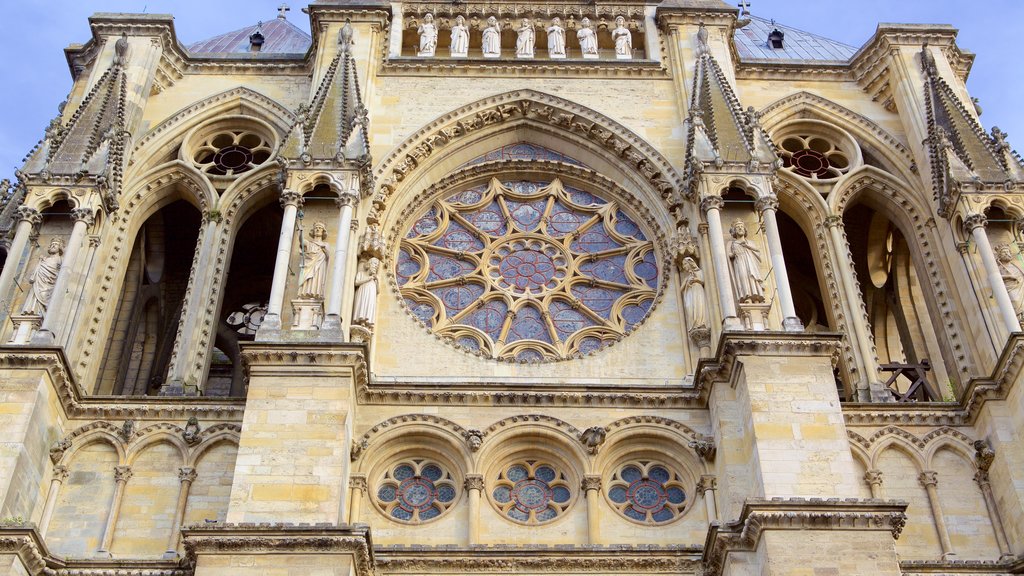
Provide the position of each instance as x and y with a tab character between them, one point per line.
191	434
364	311
746	265
492	39
428	36
623	39
44	278
525	40
588	39
460	38
313	281
694	299
1013	277
556	39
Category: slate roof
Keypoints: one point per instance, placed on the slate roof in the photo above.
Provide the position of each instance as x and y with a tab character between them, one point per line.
752	44
280	37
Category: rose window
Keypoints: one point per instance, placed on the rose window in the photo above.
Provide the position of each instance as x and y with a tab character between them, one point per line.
528	271
647	492
813	157
531	492
231	152
416	491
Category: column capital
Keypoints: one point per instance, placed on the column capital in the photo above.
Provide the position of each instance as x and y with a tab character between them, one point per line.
291	198
474	482
60	473
770	202
707	483
347	198
122	473
873	477
973	221
187	474
30	215
833	221
928	478
711	202
591	482
357	482
83	215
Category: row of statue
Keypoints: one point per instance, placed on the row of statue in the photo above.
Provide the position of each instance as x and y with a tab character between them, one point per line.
316	255
526	38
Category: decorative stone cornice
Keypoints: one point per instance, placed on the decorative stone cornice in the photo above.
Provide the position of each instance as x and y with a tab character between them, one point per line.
492	68
357	482
320	359
474	482
759	516
591	482
24	542
965	567
539	558
711	202
767	203
790	344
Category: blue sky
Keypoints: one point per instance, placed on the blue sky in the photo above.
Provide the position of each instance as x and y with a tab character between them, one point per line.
33	34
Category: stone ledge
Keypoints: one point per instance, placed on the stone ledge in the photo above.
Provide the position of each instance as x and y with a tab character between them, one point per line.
947	567
556	559
23	540
769	343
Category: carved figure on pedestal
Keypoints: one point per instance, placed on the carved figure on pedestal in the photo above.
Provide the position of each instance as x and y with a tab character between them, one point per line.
588	39
1013	277
492	39
364	311
694	300
315	255
44	278
460	38
556	38
623	39
525	40
746	265
428	36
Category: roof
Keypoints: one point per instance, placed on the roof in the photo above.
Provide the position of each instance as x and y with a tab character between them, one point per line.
280	37
752	43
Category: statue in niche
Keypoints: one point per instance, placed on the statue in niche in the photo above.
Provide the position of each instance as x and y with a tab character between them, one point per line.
556	38
428	36
746	265
364	310
623	39
492	39
694	299
587	38
460	38
44	278
1013	277
526	39
316	253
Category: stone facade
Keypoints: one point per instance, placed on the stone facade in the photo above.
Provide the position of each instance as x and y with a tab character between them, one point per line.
462	288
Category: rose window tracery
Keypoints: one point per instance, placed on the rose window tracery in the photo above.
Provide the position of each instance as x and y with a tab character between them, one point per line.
813	157
531	492
528	270
647	492
416	490
231	152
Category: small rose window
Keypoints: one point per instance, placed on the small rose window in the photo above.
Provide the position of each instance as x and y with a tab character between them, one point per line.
647	492
531	492
416	490
231	152
813	157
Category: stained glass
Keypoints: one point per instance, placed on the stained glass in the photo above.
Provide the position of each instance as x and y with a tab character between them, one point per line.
568	320
421	310
633	314
647	492
624	225
595	239
564	220
609	268
528	325
488	219
407	267
489	318
416	490
647	269
425	225
459	239
523	151
584	198
469	196
444	267
458	298
597	298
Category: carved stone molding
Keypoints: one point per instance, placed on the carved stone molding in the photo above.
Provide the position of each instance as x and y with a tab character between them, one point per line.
790	344
357	482
539	558
965	567
591	482
312	358
474	482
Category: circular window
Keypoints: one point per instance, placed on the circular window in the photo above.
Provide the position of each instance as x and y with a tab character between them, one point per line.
647	492
528	270
531	492
813	157
416	490
230	146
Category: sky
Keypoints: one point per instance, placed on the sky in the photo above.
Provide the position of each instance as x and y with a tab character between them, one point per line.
35	76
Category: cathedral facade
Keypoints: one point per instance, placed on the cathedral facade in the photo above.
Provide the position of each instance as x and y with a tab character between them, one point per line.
612	287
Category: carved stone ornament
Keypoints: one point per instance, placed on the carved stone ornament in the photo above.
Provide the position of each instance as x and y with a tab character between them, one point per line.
187	474
704	447
707	482
358	483
591	482
983	455
873	477
59	448
357	448
127	430
928	478
191	433
593	438
474	439
122	473
474	482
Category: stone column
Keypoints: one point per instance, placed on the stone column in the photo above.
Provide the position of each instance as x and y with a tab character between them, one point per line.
981	477
767	206
47	335
975	225
291	202
186	476
592	491
357	487
28	218
861	337
60	474
346	206
874	480
121	476
930	480
474	487
712	207
707	486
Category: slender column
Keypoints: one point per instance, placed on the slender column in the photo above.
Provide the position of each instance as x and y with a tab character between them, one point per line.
929	480
474	487
768	205
121	476
874	480
981	477
291	202
975	224
83	218
28	218
346	204
853	298
357	487
712	206
708	486
592	492
60	474
186	476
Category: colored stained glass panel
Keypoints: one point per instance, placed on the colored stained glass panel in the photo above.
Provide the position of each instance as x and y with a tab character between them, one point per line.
425	225
528	325
568	320
594	239
489	219
459	239
647	269
609	268
407	267
458	298
597	298
444	267
624	225
489	318
564	220
526	216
